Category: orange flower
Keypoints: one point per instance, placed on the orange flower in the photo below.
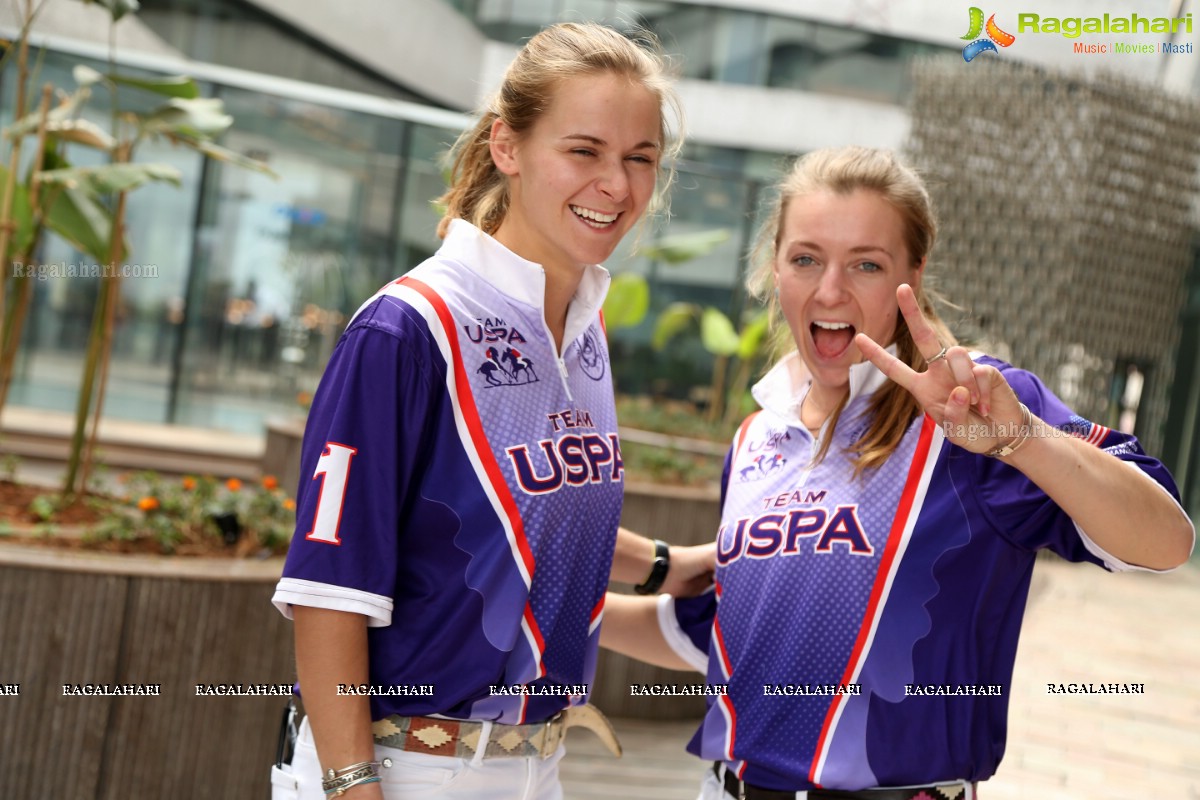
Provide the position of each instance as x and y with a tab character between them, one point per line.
189	483
148	503
233	484
289	504
270	482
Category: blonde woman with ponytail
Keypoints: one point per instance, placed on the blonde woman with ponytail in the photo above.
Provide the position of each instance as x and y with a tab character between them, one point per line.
463	475
881	517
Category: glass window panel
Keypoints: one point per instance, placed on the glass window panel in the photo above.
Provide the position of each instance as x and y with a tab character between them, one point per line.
687	33
516	20
468	8
644	14
738	42
284	262
603	11
857	64
789	51
239	35
492	17
705	199
159	221
423	184
533	12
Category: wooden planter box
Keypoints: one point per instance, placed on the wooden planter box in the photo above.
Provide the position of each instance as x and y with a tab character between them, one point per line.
78	618
69	618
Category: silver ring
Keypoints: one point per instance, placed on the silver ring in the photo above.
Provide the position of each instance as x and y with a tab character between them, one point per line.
941	354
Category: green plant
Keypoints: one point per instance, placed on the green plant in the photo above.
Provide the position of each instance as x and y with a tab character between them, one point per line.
671	417
629	301
43	507
9	463
723	340
671	466
202	513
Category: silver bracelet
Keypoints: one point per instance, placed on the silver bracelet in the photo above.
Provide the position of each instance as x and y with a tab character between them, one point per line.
1022	437
341	790
332	773
339	779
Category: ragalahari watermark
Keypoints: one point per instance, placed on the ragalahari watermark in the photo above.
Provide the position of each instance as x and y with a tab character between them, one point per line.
71	269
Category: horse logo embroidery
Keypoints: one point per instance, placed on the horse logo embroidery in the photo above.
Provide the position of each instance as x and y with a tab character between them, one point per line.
509	368
762	466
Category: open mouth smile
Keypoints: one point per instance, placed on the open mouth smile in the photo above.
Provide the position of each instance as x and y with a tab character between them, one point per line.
831	339
595	219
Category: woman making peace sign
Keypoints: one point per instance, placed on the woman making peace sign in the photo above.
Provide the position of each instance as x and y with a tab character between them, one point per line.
870	588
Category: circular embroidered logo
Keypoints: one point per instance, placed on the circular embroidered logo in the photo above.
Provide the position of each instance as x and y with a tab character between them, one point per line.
591	357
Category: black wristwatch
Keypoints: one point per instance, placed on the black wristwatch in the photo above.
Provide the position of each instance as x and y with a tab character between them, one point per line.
658	570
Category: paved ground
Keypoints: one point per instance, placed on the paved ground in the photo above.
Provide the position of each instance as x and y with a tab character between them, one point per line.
1082	626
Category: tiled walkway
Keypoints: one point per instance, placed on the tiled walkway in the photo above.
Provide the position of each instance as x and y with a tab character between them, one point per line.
1082	626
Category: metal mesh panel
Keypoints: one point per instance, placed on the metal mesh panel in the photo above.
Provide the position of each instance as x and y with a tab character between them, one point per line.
1065	210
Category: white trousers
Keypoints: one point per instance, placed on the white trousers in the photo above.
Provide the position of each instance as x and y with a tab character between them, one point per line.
711	788
414	776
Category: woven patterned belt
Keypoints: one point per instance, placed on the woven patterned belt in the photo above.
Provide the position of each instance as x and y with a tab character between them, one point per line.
735	788
460	738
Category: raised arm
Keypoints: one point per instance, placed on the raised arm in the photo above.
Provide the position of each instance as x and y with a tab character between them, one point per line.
1122	509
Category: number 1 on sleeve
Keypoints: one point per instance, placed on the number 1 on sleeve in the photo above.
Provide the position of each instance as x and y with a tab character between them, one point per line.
333	467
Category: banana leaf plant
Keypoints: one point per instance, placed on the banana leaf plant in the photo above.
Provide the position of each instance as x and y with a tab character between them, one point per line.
86	205
721	338
628	303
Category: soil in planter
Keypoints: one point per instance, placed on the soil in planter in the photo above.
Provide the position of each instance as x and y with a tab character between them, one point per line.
15	499
22	526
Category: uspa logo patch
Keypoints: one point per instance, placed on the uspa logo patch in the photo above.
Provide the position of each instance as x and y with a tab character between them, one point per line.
994	37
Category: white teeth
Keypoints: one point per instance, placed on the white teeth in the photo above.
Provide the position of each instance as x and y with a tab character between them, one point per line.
591	216
832	326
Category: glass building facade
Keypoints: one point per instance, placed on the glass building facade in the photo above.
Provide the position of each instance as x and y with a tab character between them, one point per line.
246	280
731	45
243	281
239	34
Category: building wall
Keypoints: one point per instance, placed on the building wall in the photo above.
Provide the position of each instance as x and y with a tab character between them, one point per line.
420	43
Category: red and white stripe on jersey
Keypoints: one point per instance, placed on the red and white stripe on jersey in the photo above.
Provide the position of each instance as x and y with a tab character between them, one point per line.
912	498
596	616
432	307
723	701
740	437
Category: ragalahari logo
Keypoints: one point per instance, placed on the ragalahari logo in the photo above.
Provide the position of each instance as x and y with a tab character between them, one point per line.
995	36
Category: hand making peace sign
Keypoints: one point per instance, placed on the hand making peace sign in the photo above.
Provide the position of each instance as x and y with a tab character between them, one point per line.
973	403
